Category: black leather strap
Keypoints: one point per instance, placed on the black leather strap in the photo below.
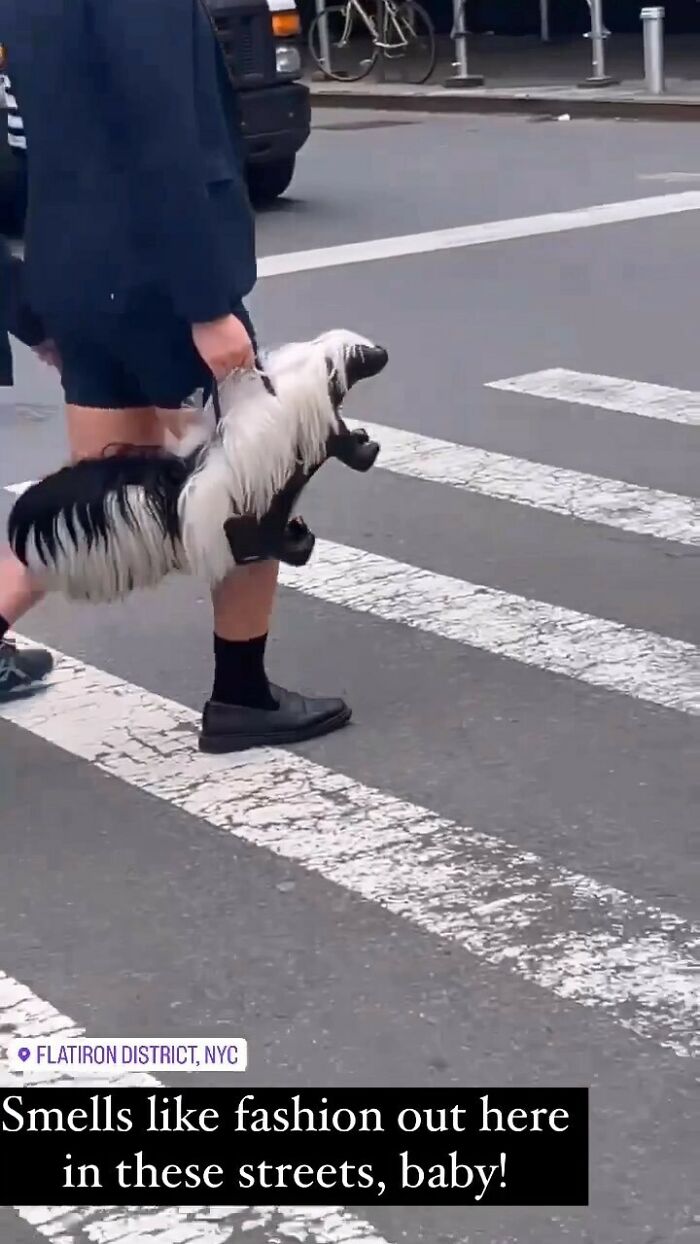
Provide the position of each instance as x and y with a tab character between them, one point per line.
217	402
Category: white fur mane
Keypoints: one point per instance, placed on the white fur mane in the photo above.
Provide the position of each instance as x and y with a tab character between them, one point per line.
262	436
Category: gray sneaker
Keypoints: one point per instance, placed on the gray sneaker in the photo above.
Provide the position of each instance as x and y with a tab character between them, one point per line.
22	669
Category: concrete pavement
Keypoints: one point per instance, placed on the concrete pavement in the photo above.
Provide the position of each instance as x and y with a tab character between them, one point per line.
525	681
524	75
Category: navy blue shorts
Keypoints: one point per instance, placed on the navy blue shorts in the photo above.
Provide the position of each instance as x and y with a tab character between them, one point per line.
122	362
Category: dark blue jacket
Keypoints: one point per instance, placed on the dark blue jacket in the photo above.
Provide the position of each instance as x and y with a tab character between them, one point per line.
15	316
135	172
5	351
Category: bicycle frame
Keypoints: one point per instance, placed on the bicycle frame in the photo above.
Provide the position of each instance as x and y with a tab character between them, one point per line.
353	7
388	11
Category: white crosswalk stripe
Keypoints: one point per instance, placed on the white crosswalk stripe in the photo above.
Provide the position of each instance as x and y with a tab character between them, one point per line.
593	650
198	1224
591	498
24	1015
577	939
627	397
537	485
487	232
17	489
583	941
597	651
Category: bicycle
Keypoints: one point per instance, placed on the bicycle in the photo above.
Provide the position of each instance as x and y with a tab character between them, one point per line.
402	31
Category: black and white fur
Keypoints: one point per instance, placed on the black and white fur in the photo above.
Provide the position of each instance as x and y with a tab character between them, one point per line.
100	528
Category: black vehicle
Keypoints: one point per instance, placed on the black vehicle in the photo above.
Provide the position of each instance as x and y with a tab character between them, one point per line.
262	46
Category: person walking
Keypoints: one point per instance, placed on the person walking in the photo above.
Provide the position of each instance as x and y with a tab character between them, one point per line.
21	670
140	251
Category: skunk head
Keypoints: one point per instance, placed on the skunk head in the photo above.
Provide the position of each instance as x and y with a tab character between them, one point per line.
349	358
320	373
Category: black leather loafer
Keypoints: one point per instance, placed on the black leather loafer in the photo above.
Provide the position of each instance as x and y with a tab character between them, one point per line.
232	728
22	670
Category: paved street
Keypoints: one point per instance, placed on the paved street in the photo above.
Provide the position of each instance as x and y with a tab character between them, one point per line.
491	878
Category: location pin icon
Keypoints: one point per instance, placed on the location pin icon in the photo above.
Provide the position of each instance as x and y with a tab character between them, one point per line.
24	1053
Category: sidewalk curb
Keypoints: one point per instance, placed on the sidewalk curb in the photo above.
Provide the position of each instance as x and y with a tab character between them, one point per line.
443	100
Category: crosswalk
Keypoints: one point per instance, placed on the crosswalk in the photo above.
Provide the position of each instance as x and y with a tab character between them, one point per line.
568	934
628	397
23	1015
485	233
537	485
449	879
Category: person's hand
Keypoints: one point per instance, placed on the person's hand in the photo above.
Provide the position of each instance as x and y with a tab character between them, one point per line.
47	351
224	345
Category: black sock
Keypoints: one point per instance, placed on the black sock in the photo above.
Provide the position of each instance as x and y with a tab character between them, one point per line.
239	673
4	627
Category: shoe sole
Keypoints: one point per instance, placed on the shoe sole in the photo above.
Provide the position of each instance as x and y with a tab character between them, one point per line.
23	693
223	743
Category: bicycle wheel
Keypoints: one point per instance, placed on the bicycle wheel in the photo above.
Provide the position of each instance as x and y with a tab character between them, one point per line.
408	38
351	54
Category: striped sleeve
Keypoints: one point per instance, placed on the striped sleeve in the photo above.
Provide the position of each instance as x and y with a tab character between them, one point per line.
15	125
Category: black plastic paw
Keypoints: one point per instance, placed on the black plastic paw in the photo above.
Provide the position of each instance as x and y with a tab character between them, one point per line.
354	449
297	543
251	541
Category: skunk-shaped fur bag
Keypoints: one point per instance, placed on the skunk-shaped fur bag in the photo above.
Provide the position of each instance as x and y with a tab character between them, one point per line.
101	528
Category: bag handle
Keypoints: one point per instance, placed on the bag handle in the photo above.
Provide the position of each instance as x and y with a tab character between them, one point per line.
215	396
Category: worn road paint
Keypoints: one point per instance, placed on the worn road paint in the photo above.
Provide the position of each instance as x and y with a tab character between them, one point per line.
537	485
589	498
597	651
580	940
24	1015
478	235
628	397
18	489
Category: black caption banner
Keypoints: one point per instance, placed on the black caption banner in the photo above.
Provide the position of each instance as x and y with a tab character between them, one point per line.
294	1146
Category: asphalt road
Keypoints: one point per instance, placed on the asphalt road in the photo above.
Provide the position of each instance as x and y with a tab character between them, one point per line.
553	709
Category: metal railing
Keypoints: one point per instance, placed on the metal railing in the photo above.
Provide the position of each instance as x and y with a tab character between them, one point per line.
598	36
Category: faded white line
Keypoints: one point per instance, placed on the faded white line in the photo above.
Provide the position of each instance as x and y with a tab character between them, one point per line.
578	939
629	397
18	489
24	1015
668	177
593	650
478	235
198	1224
598	651
538	485
590	498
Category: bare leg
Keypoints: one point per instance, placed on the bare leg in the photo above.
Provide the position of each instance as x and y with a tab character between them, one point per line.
243	602
176	426
91	432
18	594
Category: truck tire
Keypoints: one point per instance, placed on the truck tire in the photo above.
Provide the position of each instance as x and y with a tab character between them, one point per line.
266	182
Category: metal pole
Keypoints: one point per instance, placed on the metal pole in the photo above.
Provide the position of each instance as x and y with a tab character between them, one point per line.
544	21
598	34
462	78
323	35
653	27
